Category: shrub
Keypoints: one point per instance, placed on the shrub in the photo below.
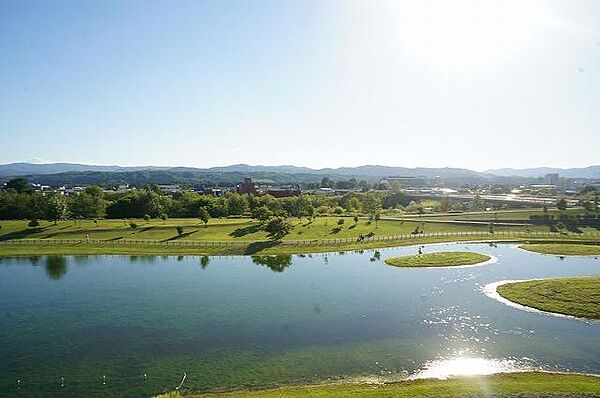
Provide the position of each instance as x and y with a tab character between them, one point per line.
33	223
338	210
146	217
132	225
277	227
179	230
341	221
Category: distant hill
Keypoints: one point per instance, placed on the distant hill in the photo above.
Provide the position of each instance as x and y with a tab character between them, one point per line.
78	174
19	169
582	172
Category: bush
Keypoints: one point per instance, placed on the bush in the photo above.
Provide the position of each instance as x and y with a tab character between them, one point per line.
132	225
33	223
277	227
179	230
338	210
341	221
146	217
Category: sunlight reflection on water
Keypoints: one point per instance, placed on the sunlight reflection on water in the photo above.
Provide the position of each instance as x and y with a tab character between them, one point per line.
466	366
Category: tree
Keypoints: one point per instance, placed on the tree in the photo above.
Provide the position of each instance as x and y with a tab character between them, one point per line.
57	208
326	183
355	220
87	205
561	204
261	213
20	184
204	216
376	217
236	204
277	227
179	229
341	221
33	223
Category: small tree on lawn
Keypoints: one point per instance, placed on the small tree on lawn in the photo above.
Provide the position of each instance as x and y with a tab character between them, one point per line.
57	208
277	227
355	220
204	216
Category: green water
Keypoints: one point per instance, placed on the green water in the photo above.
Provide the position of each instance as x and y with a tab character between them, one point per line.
243	322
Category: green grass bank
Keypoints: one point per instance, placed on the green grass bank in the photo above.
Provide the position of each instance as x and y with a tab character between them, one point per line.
245	237
578	296
564	249
440	259
524	385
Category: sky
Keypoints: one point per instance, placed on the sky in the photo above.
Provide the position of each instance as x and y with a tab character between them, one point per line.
325	83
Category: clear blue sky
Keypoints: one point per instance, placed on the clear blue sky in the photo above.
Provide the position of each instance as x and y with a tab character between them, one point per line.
310	83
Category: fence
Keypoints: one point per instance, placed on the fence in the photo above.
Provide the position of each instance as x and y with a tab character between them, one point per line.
315	242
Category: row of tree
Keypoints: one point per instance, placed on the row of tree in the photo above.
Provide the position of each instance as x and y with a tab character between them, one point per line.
17	201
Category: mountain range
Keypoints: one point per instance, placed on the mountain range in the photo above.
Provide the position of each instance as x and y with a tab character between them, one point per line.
81	174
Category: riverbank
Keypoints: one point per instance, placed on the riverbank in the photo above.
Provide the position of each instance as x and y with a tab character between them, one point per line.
526	384
141	248
243	236
577	296
440	259
564	249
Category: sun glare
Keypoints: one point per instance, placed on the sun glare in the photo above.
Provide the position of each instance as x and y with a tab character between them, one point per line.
463	35
466	366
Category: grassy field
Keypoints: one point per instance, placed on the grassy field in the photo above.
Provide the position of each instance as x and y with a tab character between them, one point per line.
242	229
578	296
499	215
525	385
240	236
441	259
565	249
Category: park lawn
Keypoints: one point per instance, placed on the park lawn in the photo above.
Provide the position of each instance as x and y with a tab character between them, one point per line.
239	229
526	384
500	215
565	249
577	296
439	259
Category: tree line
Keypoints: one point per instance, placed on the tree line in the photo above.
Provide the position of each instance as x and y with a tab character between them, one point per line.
19	201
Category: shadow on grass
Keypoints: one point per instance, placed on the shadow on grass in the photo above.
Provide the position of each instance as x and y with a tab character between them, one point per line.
238	233
256	247
22	234
183	235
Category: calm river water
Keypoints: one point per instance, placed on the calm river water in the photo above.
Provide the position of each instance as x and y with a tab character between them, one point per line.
102	322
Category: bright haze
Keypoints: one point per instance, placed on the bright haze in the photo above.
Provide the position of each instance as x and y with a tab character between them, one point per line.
476	84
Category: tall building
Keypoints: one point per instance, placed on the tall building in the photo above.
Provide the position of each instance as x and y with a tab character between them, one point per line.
552	178
247	186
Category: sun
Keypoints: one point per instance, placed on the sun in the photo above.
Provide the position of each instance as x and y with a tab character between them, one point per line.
461	35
